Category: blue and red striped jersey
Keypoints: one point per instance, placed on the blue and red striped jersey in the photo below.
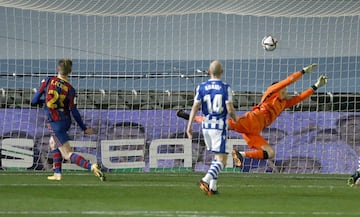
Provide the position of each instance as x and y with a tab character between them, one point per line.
59	100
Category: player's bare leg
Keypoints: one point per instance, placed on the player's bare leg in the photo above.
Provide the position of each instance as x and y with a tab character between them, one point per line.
266	152
269	151
67	151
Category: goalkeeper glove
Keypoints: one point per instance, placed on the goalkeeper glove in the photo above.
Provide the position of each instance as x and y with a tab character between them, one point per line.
309	68
322	80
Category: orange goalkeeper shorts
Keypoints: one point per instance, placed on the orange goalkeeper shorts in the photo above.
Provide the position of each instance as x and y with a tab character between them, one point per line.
250	126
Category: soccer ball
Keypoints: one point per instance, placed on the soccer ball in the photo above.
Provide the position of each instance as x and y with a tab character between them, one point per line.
269	43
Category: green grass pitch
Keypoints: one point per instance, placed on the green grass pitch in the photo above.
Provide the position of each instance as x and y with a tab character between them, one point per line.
176	194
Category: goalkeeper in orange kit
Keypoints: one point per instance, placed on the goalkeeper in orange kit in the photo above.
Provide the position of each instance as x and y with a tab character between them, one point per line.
273	102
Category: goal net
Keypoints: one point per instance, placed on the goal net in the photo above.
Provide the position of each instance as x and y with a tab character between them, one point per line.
136	62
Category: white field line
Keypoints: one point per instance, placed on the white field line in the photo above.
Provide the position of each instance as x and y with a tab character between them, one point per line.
193	174
178	213
147	185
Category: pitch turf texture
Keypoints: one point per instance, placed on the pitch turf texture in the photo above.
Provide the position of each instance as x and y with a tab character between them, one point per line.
176	194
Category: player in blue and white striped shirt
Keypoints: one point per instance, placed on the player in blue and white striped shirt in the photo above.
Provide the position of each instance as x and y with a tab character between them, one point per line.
215	99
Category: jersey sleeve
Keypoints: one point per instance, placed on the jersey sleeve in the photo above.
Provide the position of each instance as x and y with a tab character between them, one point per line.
296	99
286	82
229	95
72	98
74	111
36	99
197	95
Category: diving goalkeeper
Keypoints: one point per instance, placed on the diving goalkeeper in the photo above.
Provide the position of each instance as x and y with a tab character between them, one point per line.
273	102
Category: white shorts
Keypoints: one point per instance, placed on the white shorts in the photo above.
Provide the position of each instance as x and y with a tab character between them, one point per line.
215	140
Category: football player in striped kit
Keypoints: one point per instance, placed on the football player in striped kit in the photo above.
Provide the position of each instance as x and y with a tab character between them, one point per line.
215	99
59	106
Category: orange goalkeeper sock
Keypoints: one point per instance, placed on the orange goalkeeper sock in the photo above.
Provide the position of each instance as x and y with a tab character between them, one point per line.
257	154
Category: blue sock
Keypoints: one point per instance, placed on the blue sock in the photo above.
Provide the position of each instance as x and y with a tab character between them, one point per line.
213	171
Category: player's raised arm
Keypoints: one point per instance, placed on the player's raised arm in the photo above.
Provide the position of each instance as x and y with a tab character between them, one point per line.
36	99
322	80
290	79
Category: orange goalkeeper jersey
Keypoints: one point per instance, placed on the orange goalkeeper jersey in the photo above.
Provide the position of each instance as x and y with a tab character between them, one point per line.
271	106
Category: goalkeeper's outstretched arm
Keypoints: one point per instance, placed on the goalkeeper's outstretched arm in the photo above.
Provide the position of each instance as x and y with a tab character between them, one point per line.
322	80
290	79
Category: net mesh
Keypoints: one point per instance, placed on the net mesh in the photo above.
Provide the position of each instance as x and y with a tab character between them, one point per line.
137	62
276	8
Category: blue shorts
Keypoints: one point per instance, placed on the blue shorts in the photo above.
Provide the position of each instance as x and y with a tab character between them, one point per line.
58	130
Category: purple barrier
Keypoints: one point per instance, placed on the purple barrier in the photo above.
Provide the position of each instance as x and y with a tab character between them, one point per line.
305	142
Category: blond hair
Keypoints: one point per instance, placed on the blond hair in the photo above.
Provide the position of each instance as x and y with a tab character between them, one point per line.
65	66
